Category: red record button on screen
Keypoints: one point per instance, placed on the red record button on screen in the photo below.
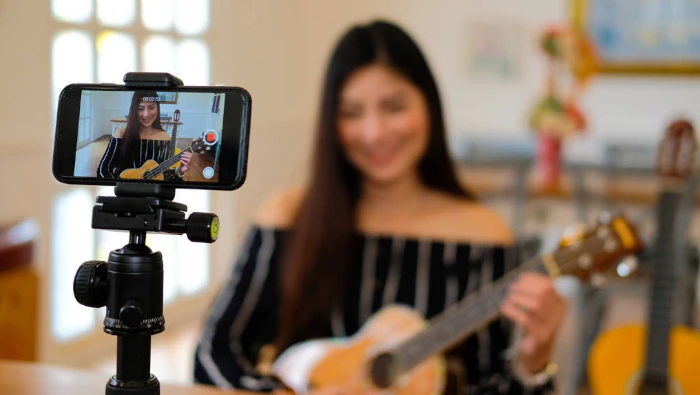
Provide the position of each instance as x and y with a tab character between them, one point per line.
211	137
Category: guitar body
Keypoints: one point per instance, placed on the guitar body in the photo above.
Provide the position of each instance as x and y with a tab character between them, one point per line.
343	362
137	174
617	358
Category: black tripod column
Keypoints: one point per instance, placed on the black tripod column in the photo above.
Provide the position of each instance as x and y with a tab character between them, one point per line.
134	313
130	284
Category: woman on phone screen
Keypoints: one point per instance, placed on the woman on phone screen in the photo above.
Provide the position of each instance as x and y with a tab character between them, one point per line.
142	139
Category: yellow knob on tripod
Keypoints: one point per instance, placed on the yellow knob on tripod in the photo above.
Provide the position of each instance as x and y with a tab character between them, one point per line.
214	228
202	227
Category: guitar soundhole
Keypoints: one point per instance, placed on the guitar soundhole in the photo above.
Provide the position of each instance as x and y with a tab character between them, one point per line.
382	370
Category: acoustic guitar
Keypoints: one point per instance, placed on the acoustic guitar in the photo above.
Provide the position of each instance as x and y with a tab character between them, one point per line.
399	352
658	358
152	170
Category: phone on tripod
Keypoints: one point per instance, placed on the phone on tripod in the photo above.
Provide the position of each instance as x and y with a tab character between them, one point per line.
175	136
147	137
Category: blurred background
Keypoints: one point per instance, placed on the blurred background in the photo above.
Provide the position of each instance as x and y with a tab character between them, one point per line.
490	65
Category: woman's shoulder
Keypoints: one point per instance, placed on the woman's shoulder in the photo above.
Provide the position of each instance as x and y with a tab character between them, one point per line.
445	218
119	133
463	220
159	135
280	208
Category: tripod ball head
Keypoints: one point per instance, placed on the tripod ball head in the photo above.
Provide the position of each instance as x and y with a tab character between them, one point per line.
130	284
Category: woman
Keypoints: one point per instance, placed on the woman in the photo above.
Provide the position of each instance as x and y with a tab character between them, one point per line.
383	220
142	139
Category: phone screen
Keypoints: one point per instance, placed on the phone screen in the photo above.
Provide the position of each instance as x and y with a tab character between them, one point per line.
181	137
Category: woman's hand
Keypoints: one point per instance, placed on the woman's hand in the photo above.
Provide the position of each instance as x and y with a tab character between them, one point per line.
185	160
533	303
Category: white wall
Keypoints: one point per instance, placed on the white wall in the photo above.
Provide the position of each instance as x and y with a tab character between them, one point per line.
105	107
195	114
277	50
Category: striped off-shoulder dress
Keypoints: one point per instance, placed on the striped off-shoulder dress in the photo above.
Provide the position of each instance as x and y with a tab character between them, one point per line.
157	150
428	275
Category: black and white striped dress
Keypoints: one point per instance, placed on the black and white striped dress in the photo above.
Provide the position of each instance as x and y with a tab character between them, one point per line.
426	274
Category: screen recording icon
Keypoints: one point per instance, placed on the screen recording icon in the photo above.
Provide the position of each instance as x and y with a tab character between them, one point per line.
211	137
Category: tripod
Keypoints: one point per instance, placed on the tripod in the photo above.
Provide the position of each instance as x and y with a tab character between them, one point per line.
130	283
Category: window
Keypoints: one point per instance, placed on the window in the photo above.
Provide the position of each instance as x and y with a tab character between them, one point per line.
112	13
74	210
116	55
72	58
100	41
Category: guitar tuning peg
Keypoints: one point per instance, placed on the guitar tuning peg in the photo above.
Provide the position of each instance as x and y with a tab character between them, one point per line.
598	279
572	234
627	266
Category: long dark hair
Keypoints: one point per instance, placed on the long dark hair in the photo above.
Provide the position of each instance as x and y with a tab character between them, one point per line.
318	254
132	133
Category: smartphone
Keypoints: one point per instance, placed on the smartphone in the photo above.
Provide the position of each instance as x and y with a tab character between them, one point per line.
183	137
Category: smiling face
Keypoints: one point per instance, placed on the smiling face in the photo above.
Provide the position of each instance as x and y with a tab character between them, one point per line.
147	113
383	124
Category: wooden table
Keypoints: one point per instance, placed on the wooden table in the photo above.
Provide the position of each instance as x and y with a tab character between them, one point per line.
25	378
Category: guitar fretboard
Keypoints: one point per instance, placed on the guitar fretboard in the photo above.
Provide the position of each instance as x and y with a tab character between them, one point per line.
662	291
173	141
580	255
462	319
166	164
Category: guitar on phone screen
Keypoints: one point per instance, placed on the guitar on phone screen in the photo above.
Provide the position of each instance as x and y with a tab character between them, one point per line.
152	170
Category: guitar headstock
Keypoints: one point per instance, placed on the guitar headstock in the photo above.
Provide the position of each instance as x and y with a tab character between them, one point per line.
206	142
677	151
198	145
176	115
595	250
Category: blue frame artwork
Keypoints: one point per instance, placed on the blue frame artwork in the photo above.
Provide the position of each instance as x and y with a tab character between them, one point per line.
642	36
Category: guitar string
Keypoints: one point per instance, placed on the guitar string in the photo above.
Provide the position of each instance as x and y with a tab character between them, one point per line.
169	162
163	166
564	259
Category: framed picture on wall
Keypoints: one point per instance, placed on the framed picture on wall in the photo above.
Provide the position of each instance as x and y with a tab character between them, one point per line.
168	97
495	50
642	36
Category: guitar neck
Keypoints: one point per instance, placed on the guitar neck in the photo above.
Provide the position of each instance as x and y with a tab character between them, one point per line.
173	140
165	165
675	164
661	295
463	319
580	253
